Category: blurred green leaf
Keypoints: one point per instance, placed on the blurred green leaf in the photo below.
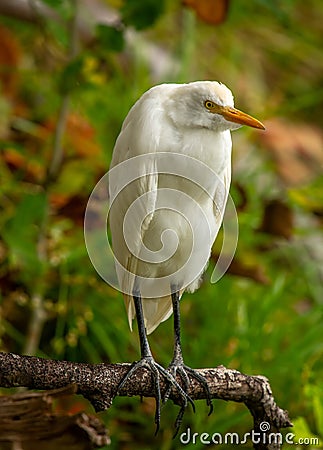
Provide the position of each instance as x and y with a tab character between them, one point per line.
110	37
71	77
54	3
141	14
22	231
315	395
302	432
65	8
318	410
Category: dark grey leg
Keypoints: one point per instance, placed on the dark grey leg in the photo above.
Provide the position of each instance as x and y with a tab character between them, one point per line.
177	364
145	351
147	361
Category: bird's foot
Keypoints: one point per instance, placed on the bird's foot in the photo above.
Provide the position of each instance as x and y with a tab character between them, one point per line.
178	367
157	370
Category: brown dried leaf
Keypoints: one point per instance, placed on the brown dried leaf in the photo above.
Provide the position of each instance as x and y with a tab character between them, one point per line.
277	219
9	58
297	149
245	270
69	206
210	11
31	170
80	136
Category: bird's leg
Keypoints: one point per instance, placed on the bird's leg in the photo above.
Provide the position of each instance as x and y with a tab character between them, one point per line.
177	364
147	361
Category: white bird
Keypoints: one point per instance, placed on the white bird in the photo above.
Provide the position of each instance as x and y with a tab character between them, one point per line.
169	181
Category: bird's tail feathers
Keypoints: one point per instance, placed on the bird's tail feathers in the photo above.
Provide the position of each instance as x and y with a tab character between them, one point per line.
156	310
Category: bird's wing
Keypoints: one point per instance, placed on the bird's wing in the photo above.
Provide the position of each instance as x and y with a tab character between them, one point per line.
221	196
133	181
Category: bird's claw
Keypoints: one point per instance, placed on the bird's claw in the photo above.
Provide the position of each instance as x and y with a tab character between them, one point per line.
183	371
157	370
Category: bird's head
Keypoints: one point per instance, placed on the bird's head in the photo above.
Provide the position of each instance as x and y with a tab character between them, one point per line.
206	104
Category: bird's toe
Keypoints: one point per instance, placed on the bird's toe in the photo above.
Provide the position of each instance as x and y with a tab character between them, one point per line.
157	371
184	372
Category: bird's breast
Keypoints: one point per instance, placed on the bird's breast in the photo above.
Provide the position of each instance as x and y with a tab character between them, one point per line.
198	163
190	199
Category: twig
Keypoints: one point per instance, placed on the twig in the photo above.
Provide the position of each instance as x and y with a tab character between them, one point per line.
38	314
57	155
98	384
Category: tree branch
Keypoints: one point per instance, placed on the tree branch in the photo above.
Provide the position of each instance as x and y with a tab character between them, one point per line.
98	384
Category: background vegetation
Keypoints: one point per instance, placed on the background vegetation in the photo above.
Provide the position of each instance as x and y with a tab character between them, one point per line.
63	98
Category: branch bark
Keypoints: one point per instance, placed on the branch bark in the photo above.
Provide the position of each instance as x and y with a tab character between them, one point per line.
98	382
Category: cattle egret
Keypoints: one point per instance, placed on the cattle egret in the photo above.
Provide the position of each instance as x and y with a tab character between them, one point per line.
165	218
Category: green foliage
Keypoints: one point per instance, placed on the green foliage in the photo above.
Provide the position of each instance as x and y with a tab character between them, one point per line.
65	8
314	395
110	37
21	233
141	14
71	76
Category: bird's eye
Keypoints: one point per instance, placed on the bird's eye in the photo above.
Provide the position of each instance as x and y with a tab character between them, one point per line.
209	104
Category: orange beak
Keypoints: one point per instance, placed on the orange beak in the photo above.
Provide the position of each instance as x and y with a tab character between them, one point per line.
237	116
